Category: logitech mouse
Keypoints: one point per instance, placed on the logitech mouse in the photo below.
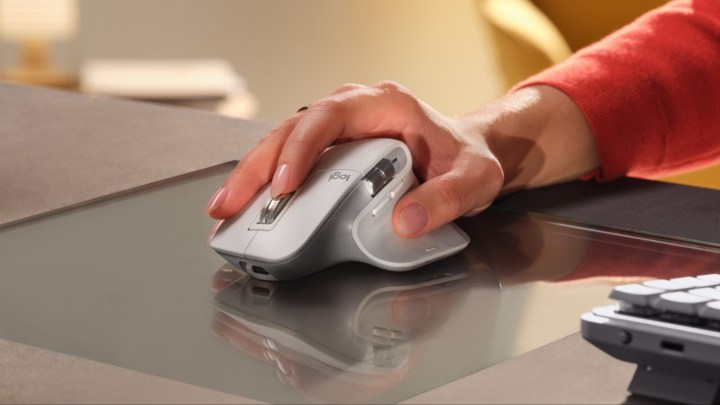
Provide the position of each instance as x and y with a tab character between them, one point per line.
343	212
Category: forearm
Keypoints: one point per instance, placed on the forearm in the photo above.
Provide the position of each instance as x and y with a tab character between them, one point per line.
539	136
650	91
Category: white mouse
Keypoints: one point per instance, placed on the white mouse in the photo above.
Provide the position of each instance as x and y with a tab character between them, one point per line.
343	212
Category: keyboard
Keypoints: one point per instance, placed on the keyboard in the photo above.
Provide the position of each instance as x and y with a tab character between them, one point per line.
686	300
671	330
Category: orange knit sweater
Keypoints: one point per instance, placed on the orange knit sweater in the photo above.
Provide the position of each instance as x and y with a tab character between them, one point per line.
650	91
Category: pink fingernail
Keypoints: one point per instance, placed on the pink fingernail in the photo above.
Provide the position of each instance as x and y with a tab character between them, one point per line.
214	230
280	180
412	219
216	200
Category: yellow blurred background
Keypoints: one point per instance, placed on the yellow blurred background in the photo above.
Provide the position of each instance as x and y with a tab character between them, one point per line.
454	54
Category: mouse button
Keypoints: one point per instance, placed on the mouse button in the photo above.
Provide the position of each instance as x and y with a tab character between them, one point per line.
392	192
234	235
384	202
312	206
272	208
399	156
271	212
379	176
394	164
233	240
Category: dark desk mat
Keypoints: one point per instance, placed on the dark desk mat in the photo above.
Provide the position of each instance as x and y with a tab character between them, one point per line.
660	209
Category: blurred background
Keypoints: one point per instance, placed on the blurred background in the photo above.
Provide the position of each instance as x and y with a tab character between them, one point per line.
262	59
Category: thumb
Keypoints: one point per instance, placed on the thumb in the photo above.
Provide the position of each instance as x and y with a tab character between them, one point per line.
444	198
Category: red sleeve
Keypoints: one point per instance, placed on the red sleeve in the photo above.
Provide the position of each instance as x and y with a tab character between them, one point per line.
650	91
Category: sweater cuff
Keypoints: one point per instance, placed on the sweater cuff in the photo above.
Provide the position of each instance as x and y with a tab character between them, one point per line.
608	97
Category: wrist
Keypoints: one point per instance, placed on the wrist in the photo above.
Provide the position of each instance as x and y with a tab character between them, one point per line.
539	136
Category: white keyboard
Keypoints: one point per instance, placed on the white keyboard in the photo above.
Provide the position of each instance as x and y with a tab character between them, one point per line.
671	330
688	300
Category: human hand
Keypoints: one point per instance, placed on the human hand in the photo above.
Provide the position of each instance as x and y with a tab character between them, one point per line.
461	175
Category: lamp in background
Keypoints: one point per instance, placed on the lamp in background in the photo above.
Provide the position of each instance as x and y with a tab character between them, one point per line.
38	30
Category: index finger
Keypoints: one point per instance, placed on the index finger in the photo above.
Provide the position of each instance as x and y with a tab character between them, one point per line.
252	172
385	109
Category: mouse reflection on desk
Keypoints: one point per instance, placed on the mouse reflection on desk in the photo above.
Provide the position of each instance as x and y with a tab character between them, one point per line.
355	333
343	212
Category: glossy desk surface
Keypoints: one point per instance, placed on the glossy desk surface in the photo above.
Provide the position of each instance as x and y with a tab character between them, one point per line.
130	282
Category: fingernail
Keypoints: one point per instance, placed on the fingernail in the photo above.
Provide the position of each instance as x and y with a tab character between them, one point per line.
284	366
412	219
280	180
214	230
216	200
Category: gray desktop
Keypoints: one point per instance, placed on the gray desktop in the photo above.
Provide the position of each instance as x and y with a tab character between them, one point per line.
120	274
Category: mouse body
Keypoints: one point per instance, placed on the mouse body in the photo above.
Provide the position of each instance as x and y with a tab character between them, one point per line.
343	212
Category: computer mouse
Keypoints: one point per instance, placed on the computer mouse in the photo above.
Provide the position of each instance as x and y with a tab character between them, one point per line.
342	212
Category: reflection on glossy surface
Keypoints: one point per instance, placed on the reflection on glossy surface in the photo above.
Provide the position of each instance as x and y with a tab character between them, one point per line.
125	282
551	271
352	332
527	248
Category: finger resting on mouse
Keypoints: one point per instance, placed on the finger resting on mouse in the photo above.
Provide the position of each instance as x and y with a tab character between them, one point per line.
251	173
352	112
446	197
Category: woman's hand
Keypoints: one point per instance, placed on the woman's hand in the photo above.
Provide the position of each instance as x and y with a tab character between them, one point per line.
459	159
461	174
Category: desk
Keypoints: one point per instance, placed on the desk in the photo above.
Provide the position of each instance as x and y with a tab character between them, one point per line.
119	300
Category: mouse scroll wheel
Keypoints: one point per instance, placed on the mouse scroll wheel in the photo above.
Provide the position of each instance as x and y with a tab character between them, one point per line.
272	208
379	176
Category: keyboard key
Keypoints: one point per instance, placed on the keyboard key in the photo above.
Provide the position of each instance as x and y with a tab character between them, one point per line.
710	310
680	301
712	278
636	294
691	282
707	292
664	285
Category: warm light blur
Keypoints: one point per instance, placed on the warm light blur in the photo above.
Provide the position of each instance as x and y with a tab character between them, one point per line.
38	19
